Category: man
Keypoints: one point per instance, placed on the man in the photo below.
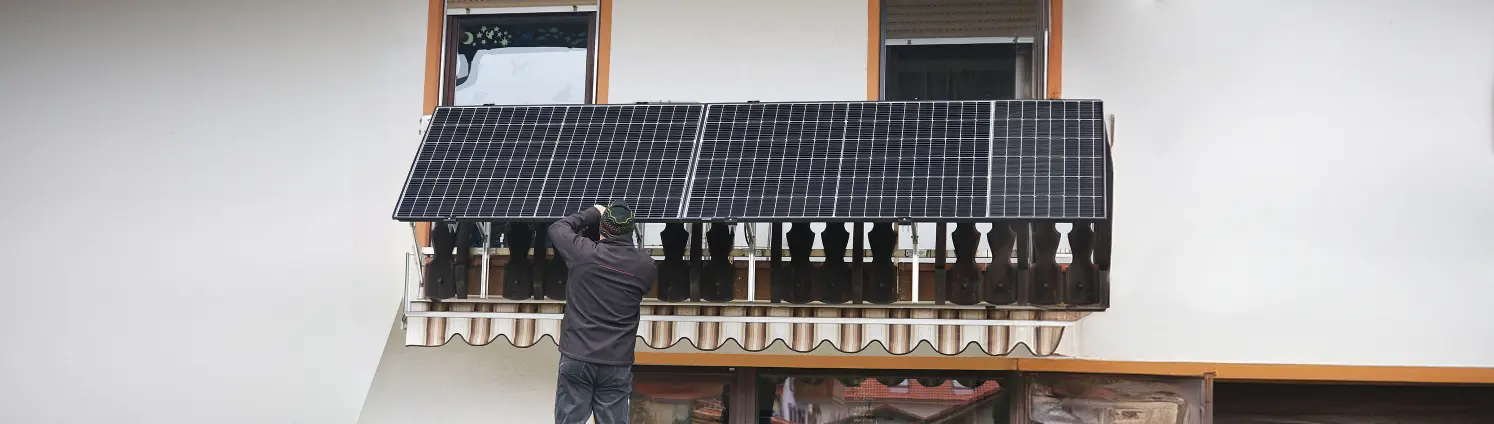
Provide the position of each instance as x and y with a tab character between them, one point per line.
606	284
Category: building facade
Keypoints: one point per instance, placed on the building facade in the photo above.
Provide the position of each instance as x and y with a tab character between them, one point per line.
1296	199
1264	154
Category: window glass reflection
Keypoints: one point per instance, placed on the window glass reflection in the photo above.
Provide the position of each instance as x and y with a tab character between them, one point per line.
1103	399
866	400
678	399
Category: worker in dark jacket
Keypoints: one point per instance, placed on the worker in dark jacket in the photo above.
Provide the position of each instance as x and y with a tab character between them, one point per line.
605	287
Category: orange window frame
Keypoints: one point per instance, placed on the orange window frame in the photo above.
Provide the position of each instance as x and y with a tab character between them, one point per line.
875	46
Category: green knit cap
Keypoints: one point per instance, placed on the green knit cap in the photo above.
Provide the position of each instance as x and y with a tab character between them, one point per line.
618	220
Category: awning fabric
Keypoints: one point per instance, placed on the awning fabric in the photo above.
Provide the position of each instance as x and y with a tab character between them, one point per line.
665	332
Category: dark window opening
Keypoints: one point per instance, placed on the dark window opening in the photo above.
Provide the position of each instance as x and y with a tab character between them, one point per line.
957	71
1272	403
685	395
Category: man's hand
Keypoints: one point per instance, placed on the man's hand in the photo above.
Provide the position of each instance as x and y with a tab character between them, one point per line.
600	208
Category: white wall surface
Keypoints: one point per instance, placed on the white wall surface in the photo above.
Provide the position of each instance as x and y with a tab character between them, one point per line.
459	383
1297	182
726	50
198	195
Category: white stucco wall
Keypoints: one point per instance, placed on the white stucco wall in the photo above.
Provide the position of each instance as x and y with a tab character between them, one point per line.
198	199
725	50
1296	182
458	383
1375	118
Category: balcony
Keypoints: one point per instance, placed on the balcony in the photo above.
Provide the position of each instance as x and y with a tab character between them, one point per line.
1047	294
953	276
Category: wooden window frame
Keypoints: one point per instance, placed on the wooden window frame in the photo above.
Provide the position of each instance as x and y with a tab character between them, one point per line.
745	392
453	32
1047	57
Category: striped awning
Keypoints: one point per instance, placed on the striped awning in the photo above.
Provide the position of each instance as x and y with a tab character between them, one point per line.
896	330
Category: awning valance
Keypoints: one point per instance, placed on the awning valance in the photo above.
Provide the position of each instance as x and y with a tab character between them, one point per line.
895	330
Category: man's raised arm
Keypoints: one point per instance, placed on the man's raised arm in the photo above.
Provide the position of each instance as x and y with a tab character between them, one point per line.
565	234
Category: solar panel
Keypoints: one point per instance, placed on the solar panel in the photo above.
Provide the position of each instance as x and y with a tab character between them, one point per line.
764	161
1048	160
546	162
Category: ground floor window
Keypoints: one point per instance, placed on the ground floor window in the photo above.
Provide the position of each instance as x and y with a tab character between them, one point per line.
1263	403
863	399
1108	399
680	395
805	396
691	395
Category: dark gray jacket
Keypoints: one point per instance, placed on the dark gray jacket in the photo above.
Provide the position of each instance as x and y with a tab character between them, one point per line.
606	284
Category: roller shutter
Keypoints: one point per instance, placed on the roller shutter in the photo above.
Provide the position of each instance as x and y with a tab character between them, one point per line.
906	19
476	4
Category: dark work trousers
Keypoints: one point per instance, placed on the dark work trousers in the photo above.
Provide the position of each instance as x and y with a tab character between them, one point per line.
585	389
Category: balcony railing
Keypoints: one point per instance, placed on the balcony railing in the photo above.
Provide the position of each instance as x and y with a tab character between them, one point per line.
1066	267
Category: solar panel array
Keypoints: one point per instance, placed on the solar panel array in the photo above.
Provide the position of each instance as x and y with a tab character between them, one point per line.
1035	159
506	162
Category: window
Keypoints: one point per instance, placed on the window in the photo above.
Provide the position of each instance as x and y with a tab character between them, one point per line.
976	71
840	397
962	50
1271	403
533	58
1099	399
667	395
691	395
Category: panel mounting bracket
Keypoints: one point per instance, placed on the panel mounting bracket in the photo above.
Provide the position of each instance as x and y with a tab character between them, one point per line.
749	231
913	253
487	247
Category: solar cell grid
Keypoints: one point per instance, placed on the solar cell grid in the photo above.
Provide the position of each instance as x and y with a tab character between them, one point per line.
863	159
507	162
1049	160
